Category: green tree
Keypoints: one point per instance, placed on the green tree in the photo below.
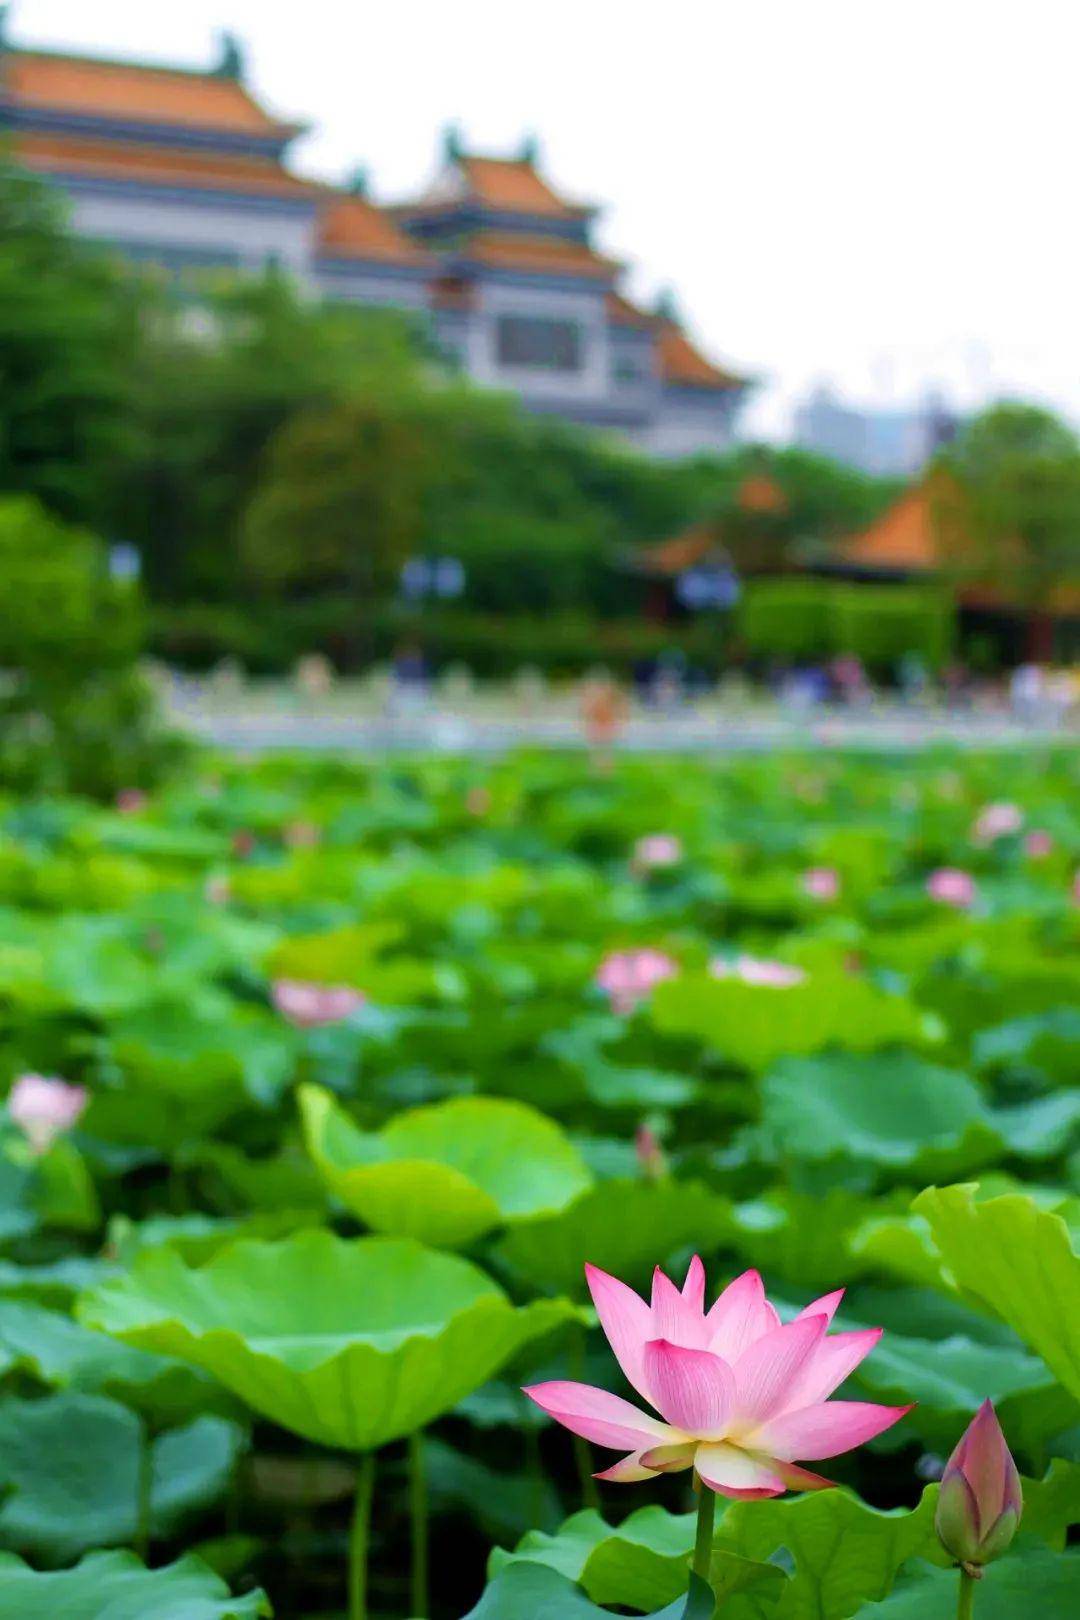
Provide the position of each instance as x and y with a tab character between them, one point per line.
68	331
1018	469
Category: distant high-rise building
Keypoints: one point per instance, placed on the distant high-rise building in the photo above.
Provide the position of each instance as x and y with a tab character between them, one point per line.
186	169
888	443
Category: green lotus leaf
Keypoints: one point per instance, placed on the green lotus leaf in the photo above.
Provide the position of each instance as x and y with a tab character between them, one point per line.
754	1025
530	1591
1017	1261
116	1586
891	1110
625	1227
66	1355
444	1174
844	1553
348	1343
1030	1581
70	1466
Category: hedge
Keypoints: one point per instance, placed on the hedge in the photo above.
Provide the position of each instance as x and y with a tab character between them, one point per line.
811	620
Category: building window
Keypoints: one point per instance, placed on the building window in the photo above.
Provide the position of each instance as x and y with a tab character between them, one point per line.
535	342
628	369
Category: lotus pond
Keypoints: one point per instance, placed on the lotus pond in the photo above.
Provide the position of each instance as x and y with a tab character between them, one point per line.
359	1066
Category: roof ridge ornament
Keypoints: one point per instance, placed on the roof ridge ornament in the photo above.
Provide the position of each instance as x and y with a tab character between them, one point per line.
452	145
231	54
5	19
530	149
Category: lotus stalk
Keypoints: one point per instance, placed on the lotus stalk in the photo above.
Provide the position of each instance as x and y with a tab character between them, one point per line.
418	1523
360	1537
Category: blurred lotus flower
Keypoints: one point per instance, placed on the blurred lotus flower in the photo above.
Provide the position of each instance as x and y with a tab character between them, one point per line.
1076	889
43	1107
243	843
980	1502
656	852
821	882
740	1396
757	970
997	821
301	835
651	1158
309	1006
217	891
478	801
1038	845
628	976
129	801
951	887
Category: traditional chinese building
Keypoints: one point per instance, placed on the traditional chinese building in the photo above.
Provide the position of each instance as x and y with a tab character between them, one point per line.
187	169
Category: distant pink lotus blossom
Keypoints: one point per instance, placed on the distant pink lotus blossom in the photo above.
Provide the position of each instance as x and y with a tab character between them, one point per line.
217	890
949	886
1038	845
757	970
656	852
129	801
981	1501
821	882
301	835
43	1107
1076	889
478	801
310	1006
997	821
651	1158
739	1394
243	843
628	976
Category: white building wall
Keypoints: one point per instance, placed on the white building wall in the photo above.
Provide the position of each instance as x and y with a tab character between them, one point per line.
585	306
364	286
689	426
254	235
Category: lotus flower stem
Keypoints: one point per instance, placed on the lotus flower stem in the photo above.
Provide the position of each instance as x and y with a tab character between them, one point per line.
359	1536
590	1494
144	1487
965	1606
706	1508
418	1513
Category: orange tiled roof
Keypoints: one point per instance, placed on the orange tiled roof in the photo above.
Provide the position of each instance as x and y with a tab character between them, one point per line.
353	228
904	538
681	362
157	95
682	551
514	185
760	493
546	254
107	160
621	312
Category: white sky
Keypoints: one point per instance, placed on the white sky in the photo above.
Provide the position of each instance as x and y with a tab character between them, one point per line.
878	195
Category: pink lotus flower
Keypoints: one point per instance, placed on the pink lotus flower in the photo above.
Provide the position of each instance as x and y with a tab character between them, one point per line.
129	801
757	970
740	1396
951	887
478	801
1038	845
981	1501
243	843
301	835
997	821
651	1158
217	890
43	1108
628	976
656	852
821	882
310	1006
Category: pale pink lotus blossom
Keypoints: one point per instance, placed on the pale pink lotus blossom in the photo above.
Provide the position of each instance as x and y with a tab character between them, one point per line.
1038	845
217	890
740	1395
301	835
43	1107
243	843
651	1158
628	976
997	821
656	852
981	1500
310	1006
821	882
478	801
129	801
950	886
757	970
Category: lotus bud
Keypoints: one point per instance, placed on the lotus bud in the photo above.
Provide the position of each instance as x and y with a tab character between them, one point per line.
651	1158
980	1503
